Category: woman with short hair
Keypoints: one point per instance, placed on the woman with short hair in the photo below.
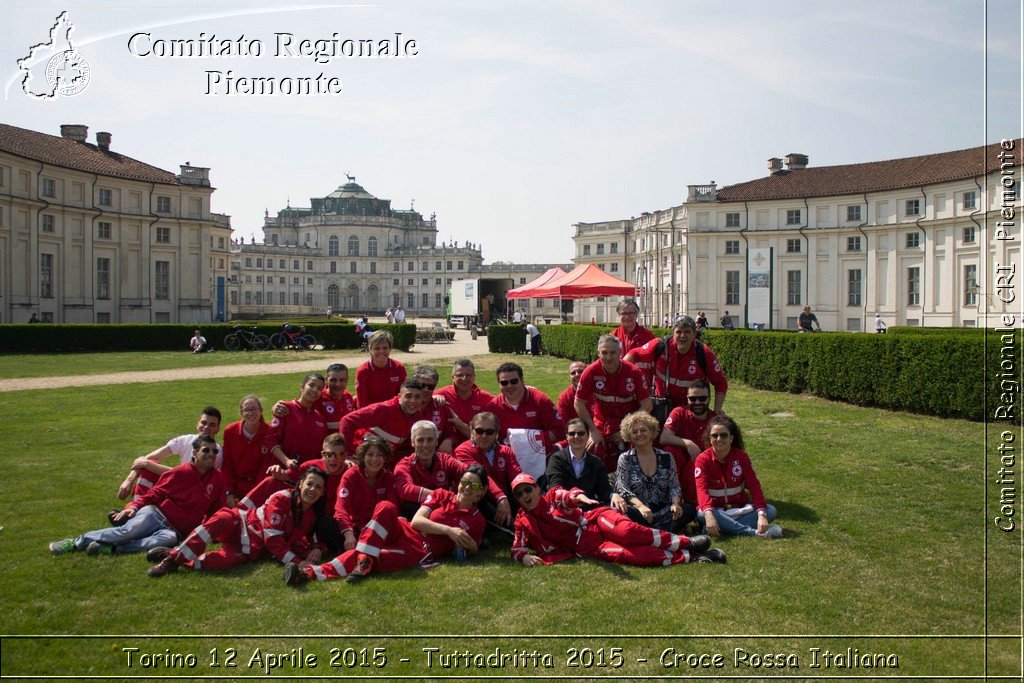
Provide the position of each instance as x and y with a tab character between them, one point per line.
379	378
646	477
362	487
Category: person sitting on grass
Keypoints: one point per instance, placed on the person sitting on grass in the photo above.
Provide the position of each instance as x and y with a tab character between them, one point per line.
246	456
183	497
279	528
362	487
729	496
426	470
646	478
445	522
197	343
574	467
298	436
551	528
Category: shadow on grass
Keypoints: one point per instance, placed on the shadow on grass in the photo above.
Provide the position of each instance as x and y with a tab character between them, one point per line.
795	511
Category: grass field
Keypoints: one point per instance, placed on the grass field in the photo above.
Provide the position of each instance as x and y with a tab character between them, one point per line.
883	514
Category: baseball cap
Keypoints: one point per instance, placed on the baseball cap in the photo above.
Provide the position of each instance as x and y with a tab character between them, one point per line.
523	478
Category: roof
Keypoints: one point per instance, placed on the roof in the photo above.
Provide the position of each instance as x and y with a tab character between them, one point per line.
522	291
79	156
874	176
351	191
583	282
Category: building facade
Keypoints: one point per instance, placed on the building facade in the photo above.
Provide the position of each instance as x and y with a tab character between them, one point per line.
89	235
910	239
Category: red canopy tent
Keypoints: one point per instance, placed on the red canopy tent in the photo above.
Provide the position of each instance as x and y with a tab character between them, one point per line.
523	291
583	282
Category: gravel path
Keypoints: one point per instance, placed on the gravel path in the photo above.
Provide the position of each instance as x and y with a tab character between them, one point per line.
460	348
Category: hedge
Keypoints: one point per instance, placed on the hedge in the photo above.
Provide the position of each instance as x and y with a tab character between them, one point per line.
936	373
49	338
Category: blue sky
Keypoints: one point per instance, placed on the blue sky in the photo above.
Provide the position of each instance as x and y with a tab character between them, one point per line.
518	119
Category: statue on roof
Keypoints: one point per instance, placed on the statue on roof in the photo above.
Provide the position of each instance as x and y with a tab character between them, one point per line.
351	178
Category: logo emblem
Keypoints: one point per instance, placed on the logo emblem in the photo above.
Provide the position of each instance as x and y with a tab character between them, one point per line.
696	471
275	519
500	462
462	523
693	368
440	476
343	493
329	407
736	469
54	68
209	489
629	385
599	384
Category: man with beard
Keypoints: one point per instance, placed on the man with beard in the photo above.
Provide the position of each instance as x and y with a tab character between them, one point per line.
685	437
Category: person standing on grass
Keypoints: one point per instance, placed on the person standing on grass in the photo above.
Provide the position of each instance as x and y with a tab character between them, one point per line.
464	398
400	315
183	497
529	422
246	455
630	334
552	527
533	336
446	522
279	528
379	378
879	324
729	496
298	436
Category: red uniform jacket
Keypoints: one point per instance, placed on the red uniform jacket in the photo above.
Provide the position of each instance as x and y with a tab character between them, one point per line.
375	385
614	396
414	483
258	494
465	409
439	416
727	484
245	460
386	420
356	498
536	411
635	339
301	434
185	496
500	474
682	423
335	408
444	509
552	530
274	528
566	404
683	370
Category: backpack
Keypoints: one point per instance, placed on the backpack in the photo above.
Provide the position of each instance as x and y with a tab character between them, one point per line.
660	405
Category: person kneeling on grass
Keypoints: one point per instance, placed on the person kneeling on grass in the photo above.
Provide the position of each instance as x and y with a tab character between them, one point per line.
279	528
552	527
179	502
445	522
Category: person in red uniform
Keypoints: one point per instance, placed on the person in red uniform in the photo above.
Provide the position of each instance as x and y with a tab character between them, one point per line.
390	421
629	333
616	389
296	438
500	462
729	496
530	424
567	399
464	398
183	497
445	522
335	402
246	455
362	487
426	470
551	528
685	436
677	364
435	409
379	378
280	528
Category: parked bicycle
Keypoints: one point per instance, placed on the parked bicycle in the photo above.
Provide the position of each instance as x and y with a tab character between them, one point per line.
291	337
242	339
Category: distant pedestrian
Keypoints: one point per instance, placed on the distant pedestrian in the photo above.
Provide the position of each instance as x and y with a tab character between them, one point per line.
702	321
390	314
808	322
400	316
197	343
34	319
517	317
880	325
533	338
726	321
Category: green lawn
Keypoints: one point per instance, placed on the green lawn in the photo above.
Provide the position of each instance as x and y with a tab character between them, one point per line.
885	536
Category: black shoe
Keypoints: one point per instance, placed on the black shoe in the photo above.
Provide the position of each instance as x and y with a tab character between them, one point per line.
115	522
713	555
157	555
364	566
165	566
699	544
293	576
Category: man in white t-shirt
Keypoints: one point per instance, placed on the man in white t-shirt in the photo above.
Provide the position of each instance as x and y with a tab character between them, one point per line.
534	335
197	343
517	317
400	315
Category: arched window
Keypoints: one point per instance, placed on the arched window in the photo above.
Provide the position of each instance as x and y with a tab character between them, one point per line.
332	246
371	246
372	297
352	300
334	297
353	246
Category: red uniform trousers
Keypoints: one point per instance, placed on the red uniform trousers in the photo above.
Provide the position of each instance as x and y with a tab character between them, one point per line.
227	525
386	537
613	537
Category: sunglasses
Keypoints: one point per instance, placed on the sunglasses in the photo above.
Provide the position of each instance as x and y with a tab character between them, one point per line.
429	387
575	433
523	490
331	454
505	382
719	435
206	449
471	485
697	399
481	431
573	373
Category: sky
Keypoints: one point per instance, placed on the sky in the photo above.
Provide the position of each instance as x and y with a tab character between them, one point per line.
516	120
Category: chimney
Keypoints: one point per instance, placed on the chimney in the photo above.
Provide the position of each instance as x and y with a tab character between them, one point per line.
103	141
74	131
796	162
775	165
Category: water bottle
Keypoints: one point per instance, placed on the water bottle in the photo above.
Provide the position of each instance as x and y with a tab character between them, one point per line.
460	553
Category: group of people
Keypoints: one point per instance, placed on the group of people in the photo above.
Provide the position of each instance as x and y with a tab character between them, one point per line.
406	473
395	315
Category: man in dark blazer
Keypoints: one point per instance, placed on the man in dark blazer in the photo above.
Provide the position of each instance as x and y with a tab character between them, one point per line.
575	467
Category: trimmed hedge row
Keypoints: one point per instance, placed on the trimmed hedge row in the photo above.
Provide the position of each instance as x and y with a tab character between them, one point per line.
47	338
934	373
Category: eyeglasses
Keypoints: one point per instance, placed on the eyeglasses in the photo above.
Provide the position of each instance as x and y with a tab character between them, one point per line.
629	314
523	490
576	433
481	431
697	399
719	435
251	409
429	387
206	449
506	382
471	485
331	454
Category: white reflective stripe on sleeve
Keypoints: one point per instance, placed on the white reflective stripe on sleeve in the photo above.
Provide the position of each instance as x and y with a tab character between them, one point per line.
390	438
202	533
259	515
686	556
189	555
246	503
607	523
145	482
366	549
376	528
272	532
338	567
657	538
679	382
198	562
245	534
392	551
288	557
319	573
668	558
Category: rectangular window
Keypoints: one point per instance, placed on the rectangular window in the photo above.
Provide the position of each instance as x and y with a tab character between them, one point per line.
438	301
615	248
914	286
395	282
732	247
280	280
396	267
220	245
522	280
49	188
248	262
280	298
601	266
46	276
793	216
437	281
793	287
351	266
913	240
970	235
913	207
295	264
248	298
259	279
281	263
586	250
259	298
600	249
163	235
270	263
461	265
449	263
295	298
373	267
259	263
424	267
732	288
295	280
615	267
793	246
163	204
410	266
425	298
234	297
732	220
309	265
853	243
105	198
334	267
47	223
971	285
410	298
448	281
853	214
970	200
437	265
102	318
309	281
162	280
102	278
424	282
853	287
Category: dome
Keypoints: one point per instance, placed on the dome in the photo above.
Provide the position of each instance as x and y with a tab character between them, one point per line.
350	190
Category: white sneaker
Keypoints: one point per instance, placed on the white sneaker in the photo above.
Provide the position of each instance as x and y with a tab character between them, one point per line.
774	531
